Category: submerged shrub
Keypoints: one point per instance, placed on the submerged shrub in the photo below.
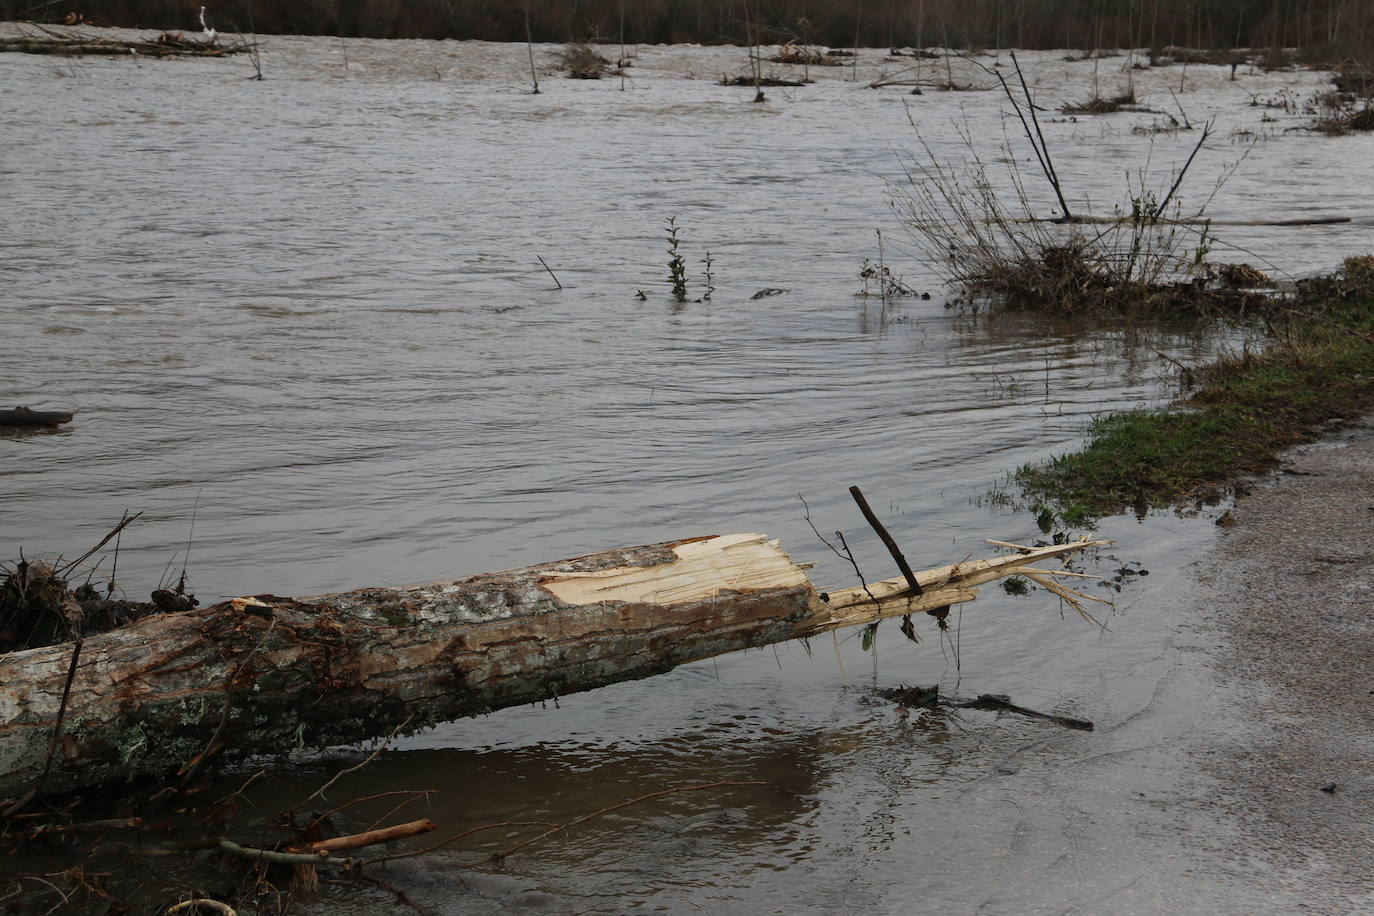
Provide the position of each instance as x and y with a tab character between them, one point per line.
582	62
989	242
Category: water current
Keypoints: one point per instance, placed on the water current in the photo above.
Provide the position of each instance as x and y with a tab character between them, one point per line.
311	310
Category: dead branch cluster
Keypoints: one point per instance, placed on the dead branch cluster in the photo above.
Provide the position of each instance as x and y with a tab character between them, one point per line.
1100	104
1339	112
1355	78
40	607
1354	280
582	61
987	239
805	55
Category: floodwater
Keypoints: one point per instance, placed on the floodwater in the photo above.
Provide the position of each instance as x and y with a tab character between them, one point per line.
310	312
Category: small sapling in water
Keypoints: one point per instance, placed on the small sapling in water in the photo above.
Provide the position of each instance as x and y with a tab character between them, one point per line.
677	265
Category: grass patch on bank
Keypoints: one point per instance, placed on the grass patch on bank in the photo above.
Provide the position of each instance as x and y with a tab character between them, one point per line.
1243	410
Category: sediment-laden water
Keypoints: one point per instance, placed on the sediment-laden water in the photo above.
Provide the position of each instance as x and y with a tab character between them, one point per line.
311	310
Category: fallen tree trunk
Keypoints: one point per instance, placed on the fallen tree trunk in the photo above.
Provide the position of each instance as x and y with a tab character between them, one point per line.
267	675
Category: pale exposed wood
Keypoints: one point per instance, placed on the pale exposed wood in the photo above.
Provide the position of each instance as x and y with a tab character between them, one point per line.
1068	573
828	617
964	574
702	569
298	674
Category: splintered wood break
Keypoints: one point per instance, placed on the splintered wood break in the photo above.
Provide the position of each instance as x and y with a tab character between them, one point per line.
703	569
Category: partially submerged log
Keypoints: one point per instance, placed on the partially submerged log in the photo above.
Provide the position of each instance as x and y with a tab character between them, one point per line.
25	416
265	675
166	44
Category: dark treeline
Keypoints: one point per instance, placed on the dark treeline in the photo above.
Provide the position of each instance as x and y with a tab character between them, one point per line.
1084	24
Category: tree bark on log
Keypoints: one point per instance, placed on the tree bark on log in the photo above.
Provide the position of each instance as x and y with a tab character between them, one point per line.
268	675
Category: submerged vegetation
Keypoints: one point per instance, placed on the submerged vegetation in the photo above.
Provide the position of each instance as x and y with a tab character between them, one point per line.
582	61
1339	113
677	264
1147	259
1241	412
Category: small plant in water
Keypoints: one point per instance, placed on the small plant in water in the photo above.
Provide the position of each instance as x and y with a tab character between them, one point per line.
677	265
1016	586
879	280
708	261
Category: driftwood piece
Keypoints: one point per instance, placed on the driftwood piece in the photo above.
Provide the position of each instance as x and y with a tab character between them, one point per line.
368	837
999	702
265	675
25	416
76	42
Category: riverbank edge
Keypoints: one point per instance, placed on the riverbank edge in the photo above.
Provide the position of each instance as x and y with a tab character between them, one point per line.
1287	587
1243	411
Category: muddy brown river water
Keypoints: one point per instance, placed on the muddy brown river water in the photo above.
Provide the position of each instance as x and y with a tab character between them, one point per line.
311	309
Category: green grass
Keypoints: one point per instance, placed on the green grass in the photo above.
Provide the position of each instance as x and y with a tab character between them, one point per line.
1243	411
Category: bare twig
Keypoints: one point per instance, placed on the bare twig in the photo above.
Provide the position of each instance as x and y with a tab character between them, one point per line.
551	273
123	523
319	793
18	805
412	794
887	540
1049	163
1178	179
529	44
282	858
61	710
235	794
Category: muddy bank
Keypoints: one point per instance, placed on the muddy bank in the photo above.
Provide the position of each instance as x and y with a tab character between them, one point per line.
1290	588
